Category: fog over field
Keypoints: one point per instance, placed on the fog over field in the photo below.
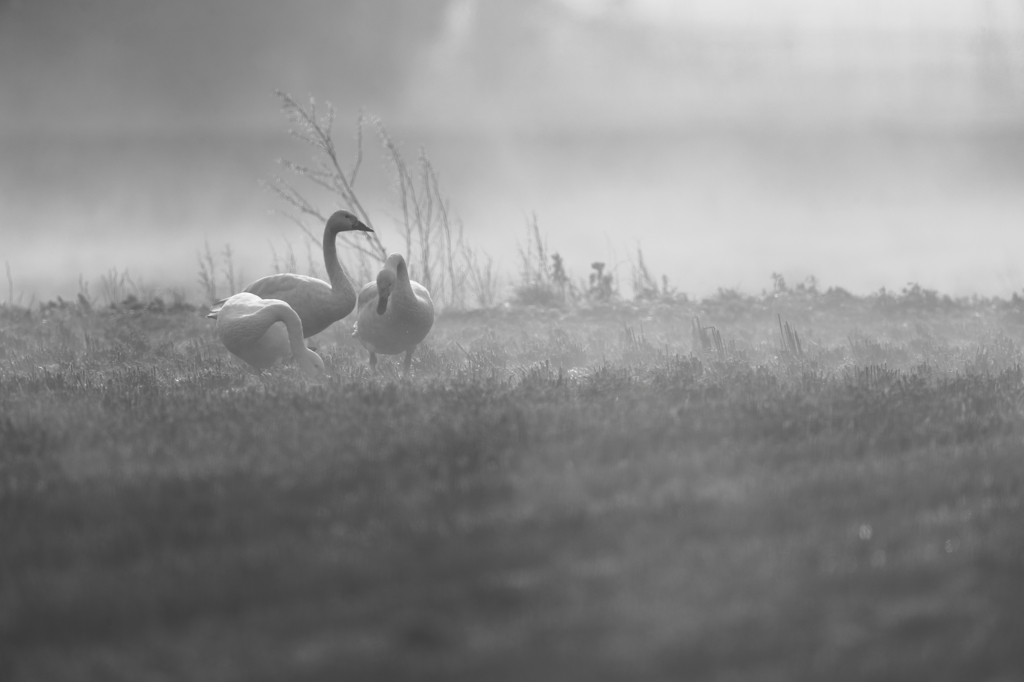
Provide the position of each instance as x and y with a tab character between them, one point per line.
866	143
654	449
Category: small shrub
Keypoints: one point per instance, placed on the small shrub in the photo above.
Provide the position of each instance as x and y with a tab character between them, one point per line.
601	283
540	283
645	287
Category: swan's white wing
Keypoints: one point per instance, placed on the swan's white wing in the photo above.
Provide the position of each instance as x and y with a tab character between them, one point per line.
366	295
246	331
421	293
286	285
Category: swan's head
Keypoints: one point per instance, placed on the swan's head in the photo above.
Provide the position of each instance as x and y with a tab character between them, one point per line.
312	365
385	285
344	221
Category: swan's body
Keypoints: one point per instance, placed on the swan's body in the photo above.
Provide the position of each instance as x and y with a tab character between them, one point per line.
263	332
318	304
394	313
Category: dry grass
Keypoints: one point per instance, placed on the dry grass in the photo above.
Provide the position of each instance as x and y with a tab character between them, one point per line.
553	495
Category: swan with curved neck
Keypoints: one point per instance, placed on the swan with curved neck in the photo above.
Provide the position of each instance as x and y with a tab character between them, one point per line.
318	304
394	313
264	332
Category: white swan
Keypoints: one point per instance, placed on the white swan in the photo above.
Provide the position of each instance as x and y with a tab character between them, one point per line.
395	313
318	304
264	332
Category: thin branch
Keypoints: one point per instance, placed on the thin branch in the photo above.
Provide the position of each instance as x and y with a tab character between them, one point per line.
356	245
10	285
359	149
305	230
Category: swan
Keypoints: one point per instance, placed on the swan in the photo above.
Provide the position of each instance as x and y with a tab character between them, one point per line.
248	326
395	313
318	303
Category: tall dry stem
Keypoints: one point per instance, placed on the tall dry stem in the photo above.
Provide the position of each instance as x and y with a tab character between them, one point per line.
326	172
207	272
433	239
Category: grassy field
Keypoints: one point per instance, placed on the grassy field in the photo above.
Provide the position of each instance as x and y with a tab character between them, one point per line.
582	494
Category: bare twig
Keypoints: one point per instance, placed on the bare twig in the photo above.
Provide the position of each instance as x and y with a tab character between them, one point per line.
790	339
316	132
433	239
302	227
360	120
207	273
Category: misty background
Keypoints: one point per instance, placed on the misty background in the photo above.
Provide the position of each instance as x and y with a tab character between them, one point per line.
868	143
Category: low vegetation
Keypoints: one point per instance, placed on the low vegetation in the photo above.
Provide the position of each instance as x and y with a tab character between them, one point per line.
582	493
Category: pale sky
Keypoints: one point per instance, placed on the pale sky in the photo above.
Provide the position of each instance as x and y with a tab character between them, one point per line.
950	15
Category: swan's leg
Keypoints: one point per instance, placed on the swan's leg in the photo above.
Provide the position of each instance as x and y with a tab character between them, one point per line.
373	360
408	360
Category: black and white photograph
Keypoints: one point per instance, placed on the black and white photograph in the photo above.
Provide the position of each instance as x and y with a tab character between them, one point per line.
511	340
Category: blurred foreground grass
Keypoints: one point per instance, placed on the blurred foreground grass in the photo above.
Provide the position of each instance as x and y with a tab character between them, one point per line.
554	495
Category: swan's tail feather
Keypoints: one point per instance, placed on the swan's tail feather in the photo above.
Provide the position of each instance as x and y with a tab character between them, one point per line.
215	308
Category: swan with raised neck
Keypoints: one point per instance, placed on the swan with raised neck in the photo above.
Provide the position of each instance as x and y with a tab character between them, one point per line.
394	313
319	304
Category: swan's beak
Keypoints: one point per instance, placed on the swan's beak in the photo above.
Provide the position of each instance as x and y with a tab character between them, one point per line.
382	304
360	226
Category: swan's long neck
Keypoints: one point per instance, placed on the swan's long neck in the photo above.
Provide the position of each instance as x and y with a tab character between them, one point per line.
334	271
402	285
282	312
